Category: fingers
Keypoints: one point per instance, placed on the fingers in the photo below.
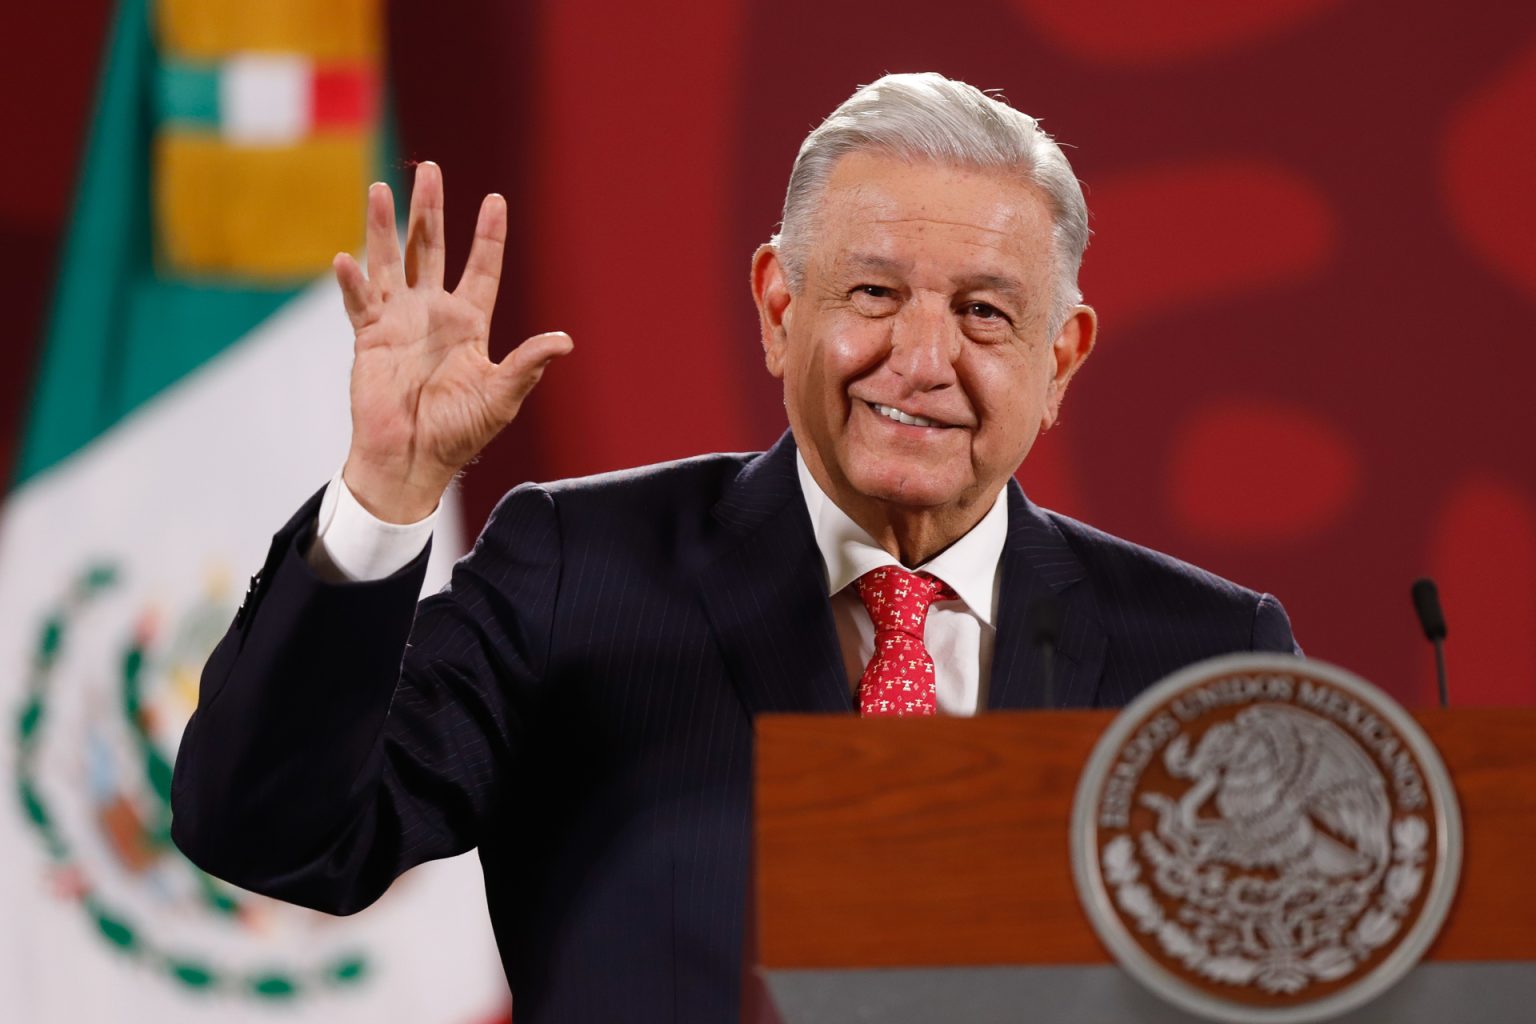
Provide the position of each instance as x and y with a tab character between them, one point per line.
524	365
383	246
482	274
424	246
357	294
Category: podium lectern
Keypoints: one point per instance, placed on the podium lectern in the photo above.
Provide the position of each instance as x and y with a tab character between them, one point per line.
919	870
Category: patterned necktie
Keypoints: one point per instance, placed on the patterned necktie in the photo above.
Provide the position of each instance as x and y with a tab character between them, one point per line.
899	678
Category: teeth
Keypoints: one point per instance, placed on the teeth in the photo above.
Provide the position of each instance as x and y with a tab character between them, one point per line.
889	412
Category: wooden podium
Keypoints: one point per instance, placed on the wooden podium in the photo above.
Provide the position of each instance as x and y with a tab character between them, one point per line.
919	870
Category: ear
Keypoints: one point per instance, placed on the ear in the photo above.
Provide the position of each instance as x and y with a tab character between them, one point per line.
1068	351
770	290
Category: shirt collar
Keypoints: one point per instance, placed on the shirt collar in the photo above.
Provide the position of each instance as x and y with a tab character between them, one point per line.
970	565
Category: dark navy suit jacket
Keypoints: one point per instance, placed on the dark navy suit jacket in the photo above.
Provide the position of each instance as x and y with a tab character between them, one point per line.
578	704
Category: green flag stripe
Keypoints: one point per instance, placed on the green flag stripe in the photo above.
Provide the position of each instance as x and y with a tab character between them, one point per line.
117	333
70	393
187	94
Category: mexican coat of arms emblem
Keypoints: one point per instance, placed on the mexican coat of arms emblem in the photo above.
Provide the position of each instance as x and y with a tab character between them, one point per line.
1262	838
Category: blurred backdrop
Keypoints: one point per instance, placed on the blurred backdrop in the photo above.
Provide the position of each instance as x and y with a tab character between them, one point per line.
1312	262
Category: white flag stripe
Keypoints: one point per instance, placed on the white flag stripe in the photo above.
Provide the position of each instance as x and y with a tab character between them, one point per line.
265	98
186	491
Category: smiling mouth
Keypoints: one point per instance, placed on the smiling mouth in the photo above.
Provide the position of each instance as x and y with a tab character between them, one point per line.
890	412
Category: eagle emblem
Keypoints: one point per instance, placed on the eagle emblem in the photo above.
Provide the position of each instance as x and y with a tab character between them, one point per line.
1260	836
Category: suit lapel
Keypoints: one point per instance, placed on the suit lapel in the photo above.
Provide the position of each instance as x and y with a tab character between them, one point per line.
764	590
1037	561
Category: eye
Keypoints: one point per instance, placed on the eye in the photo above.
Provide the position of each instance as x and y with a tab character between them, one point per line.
874	300
984	311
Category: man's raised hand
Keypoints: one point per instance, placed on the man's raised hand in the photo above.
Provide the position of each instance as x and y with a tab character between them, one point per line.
426	397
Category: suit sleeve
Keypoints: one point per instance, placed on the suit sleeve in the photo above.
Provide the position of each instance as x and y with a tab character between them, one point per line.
345	734
1272	628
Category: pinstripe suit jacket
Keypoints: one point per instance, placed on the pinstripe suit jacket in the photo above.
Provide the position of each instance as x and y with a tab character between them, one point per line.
579	704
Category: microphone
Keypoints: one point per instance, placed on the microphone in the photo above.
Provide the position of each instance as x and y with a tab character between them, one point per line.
1426	602
1044	623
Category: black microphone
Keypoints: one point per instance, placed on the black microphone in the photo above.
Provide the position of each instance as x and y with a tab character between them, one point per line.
1426	601
1044	623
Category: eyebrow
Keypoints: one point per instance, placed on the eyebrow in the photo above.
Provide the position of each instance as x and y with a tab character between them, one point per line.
863	261
991	282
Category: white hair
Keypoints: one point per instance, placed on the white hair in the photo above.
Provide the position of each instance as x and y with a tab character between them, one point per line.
928	116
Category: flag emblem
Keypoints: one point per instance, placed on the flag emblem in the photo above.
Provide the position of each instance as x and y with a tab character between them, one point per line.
94	777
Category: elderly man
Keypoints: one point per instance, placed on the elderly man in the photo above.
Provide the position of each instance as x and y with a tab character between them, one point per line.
578	704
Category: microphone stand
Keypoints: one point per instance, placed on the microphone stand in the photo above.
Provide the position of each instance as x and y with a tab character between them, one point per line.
1439	642
1044	619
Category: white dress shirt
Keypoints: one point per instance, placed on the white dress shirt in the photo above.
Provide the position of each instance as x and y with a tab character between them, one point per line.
351	544
960	635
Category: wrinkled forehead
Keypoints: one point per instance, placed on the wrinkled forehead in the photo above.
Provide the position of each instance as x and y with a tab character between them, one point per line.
881	213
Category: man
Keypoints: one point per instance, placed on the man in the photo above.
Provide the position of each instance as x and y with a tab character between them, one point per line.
579	703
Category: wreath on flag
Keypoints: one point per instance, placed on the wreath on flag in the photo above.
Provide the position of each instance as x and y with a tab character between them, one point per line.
116	926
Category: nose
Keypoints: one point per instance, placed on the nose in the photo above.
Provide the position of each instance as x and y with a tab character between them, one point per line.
925	342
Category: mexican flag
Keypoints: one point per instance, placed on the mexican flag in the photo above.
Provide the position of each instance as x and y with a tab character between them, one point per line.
192	392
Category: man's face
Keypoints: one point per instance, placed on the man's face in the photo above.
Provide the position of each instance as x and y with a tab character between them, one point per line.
916	360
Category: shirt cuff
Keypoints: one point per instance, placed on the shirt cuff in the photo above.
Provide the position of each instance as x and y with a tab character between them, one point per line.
351	545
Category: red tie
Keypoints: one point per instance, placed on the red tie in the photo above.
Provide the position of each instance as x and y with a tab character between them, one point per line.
899	678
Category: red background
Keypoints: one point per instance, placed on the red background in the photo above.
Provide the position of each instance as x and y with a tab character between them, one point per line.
1312	261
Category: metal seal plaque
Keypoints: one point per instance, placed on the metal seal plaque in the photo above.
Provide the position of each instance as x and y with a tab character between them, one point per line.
1267	839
